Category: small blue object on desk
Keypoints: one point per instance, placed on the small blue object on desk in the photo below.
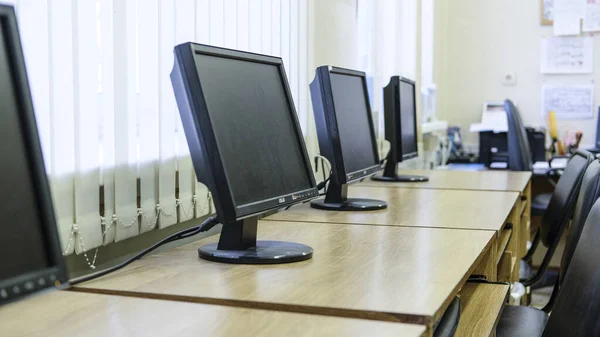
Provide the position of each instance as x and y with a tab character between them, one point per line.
464	167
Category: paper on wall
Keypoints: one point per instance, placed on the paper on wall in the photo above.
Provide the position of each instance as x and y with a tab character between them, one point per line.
548	10
567	17
574	7
591	17
568	101
567	24
567	55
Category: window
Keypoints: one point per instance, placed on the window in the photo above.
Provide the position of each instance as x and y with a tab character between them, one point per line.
99	75
387	45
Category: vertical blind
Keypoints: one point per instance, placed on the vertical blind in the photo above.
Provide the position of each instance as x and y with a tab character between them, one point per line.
113	142
112	138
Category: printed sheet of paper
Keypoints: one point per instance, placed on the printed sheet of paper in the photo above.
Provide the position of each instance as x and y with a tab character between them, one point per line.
568	101
567	55
591	17
567	17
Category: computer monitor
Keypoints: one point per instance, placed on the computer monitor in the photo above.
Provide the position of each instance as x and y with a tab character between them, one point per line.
346	137
246	146
400	128
30	253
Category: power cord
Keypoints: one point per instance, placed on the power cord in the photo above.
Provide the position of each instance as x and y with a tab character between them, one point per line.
326	179
206	225
385	159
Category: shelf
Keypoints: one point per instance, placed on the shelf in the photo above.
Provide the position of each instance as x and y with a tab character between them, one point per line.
481	306
506	267
523	208
503	239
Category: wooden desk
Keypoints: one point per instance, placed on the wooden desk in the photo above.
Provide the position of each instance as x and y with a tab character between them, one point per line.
72	314
463	180
417	208
451	209
386	273
504	181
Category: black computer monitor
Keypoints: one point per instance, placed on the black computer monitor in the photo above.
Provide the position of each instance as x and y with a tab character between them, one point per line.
399	105
246	146
346	136
30	253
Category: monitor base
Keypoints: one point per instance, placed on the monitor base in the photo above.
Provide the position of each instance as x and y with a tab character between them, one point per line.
350	204
401	179
265	252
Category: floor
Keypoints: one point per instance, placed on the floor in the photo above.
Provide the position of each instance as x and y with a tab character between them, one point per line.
540	297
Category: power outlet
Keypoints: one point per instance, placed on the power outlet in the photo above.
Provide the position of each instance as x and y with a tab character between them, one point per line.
509	79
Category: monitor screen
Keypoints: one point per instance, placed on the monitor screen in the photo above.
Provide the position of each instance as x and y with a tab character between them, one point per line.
408	118
351	110
254	126
23	247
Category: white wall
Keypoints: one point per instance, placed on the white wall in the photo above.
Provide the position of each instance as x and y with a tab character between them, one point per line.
477	42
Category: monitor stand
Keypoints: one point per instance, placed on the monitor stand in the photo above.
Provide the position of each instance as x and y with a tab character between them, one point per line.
336	200
390	175
238	245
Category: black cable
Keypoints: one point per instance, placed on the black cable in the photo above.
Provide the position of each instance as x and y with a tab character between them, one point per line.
206	225
323	184
386	158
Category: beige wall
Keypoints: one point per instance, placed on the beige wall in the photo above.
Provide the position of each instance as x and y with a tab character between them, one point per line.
333	39
477	42
331	34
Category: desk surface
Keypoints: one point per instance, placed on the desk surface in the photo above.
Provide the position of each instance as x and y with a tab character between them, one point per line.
72	314
417	208
463	180
398	274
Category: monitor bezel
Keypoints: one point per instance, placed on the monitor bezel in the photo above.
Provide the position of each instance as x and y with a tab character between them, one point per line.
202	141
54	275
329	141
407	156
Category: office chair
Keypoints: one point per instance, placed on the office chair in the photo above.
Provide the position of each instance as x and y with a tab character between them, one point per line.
589	193
519	154
558	214
577	307
596	148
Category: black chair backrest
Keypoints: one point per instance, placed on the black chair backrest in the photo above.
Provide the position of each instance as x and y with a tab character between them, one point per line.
598	130
519	151
562	203
589	193
577	306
